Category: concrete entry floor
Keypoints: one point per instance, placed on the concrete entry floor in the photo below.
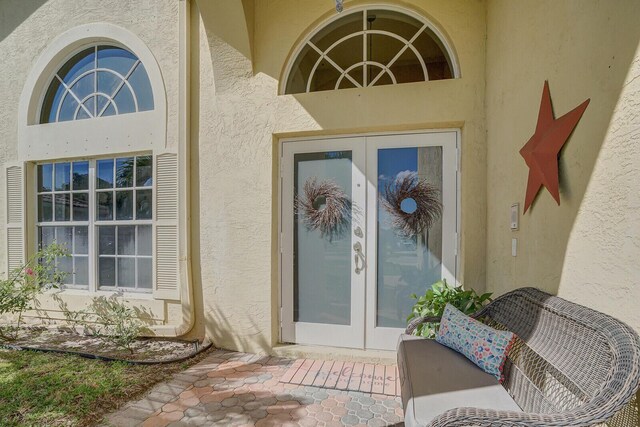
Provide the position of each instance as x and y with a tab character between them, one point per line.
240	389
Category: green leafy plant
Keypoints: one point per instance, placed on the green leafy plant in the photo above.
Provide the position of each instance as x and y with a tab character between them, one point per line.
433	302
112	322
19	292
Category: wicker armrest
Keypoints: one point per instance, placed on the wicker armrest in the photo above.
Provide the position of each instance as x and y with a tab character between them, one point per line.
413	325
476	417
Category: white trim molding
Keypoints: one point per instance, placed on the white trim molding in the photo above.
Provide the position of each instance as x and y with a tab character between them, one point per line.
141	131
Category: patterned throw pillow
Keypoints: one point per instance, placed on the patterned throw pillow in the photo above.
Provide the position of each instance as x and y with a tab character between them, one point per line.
483	345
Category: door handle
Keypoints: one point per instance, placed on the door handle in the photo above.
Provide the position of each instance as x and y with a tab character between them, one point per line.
358	256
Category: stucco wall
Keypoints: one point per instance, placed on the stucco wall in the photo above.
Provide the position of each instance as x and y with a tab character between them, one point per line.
238	118
27	28
587	249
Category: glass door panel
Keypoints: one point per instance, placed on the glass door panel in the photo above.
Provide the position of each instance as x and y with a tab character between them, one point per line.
322	258
406	262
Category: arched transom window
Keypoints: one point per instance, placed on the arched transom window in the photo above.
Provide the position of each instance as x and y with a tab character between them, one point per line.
98	81
370	47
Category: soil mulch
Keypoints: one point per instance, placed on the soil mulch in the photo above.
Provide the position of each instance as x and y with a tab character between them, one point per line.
149	350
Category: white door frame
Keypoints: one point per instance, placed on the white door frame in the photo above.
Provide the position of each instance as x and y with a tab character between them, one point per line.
372	337
351	335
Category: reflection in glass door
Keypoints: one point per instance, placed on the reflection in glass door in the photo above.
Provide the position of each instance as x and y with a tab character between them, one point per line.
417	172
406	260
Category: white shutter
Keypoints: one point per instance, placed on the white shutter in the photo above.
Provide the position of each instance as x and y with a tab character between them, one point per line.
15	209
166	223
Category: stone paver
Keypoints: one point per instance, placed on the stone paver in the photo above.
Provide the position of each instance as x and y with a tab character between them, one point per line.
240	389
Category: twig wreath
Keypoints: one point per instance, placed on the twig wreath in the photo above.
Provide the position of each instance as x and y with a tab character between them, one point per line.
324	206
427	207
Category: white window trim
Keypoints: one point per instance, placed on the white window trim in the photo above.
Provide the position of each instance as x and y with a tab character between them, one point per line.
428	24
92	225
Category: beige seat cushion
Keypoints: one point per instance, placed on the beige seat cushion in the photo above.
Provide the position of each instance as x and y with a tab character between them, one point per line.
435	378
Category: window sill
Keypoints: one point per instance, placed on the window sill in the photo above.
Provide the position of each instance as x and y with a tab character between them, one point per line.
146	296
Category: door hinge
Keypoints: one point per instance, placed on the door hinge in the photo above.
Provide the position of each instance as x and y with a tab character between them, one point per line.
458	160
281	242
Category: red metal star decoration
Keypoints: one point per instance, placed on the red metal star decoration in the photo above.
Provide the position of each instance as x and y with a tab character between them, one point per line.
543	148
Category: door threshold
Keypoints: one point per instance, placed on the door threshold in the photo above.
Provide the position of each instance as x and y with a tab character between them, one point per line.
321	352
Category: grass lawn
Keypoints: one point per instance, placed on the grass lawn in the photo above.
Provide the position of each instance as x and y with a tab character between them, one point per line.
45	389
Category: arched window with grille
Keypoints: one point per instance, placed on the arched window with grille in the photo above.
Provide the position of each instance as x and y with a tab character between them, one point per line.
98	81
370	47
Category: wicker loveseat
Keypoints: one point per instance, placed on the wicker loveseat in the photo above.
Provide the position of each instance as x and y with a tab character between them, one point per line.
570	366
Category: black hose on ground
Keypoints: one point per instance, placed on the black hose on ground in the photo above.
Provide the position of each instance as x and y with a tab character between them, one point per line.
199	349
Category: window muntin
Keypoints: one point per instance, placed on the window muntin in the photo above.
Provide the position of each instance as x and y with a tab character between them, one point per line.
124	256
123	189
98	81
370	47
63	215
113	209
124	198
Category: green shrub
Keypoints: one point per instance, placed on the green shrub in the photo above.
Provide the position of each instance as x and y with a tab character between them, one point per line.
433	302
19	292
113	322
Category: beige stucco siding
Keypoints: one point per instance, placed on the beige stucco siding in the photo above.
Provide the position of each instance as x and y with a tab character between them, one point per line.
587	249
239	118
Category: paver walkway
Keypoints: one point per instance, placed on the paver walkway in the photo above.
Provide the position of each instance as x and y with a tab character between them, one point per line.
240	389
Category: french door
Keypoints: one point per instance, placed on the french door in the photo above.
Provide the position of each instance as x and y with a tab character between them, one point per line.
355	243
